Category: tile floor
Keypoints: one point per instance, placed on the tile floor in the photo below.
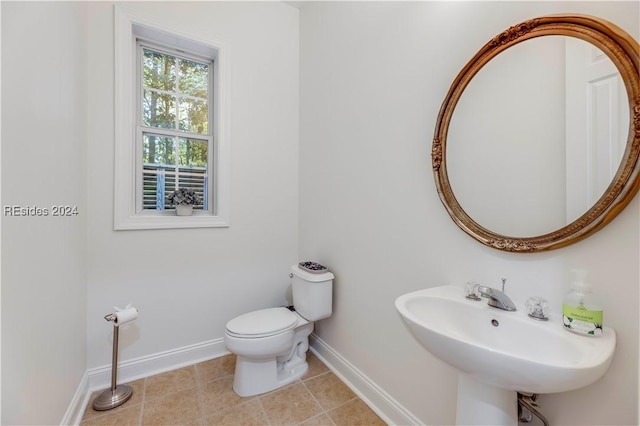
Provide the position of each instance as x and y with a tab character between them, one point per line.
202	394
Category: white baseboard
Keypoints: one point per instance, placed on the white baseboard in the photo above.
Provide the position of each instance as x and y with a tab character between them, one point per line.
100	377
389	410
74	413
149	365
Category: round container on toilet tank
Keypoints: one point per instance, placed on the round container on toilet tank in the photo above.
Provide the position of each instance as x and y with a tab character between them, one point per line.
312	293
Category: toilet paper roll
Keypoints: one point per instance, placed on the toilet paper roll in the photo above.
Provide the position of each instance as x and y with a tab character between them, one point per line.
126	315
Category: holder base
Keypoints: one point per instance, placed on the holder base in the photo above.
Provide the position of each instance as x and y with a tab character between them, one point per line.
112	398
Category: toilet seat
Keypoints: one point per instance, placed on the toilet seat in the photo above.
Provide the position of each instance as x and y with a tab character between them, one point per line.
262	323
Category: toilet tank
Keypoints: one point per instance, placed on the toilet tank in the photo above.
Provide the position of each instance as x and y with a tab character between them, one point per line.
312	293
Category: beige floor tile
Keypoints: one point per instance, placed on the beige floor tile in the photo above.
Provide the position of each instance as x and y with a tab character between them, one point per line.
203	394
316	366
219	395
290	405
125	415
355	413
249	413
211	370
136	399
170	382
329	390
179	408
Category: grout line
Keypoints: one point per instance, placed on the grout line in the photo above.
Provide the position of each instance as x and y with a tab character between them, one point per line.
264	412
200	399
323	411
355	398
200	383
313	396
324	373
143	401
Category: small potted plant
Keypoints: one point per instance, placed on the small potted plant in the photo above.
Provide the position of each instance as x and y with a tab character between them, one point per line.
184	200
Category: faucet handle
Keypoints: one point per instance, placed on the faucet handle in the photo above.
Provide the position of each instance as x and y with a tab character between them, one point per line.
538	308
471	291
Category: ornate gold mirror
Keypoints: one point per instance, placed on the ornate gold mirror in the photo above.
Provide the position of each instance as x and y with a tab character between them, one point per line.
550	180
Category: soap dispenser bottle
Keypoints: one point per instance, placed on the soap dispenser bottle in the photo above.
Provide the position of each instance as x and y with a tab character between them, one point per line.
581	310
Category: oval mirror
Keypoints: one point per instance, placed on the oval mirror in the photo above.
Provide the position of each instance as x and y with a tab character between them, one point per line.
537	142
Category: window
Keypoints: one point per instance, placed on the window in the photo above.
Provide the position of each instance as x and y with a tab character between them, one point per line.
174	94
171	124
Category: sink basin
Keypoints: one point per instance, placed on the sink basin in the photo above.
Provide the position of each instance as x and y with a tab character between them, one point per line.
504	349
499	353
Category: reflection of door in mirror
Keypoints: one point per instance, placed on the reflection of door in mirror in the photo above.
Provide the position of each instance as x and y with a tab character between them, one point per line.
506	151
596	124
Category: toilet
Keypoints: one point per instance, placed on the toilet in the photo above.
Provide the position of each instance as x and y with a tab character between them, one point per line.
271	344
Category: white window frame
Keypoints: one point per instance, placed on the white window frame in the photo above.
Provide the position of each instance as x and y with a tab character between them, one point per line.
129	27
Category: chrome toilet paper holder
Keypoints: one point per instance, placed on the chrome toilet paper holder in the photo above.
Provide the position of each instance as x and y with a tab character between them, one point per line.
116	395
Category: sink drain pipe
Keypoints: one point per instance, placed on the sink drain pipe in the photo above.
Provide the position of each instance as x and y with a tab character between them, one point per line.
527	406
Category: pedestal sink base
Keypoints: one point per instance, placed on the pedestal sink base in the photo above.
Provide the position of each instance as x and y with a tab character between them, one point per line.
481	404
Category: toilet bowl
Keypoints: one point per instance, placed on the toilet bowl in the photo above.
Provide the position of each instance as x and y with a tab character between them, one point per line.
271	344
268	359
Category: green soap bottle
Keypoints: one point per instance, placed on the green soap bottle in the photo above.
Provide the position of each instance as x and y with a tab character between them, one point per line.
581	309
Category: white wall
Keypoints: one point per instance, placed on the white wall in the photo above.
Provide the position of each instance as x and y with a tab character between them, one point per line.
43	164
372	78
188	283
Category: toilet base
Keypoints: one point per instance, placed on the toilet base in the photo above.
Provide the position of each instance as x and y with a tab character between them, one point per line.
254	376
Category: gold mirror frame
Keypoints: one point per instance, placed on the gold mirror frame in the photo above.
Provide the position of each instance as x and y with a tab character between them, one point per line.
624	51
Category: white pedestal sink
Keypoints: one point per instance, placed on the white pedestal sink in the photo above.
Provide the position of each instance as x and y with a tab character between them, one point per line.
500	353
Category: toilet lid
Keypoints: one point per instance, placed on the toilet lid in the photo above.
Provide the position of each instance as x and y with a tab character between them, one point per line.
263	323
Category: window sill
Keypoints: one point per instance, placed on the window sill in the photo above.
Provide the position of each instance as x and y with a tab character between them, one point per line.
142	221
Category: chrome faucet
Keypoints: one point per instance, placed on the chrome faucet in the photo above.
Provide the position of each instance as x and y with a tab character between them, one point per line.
497	299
